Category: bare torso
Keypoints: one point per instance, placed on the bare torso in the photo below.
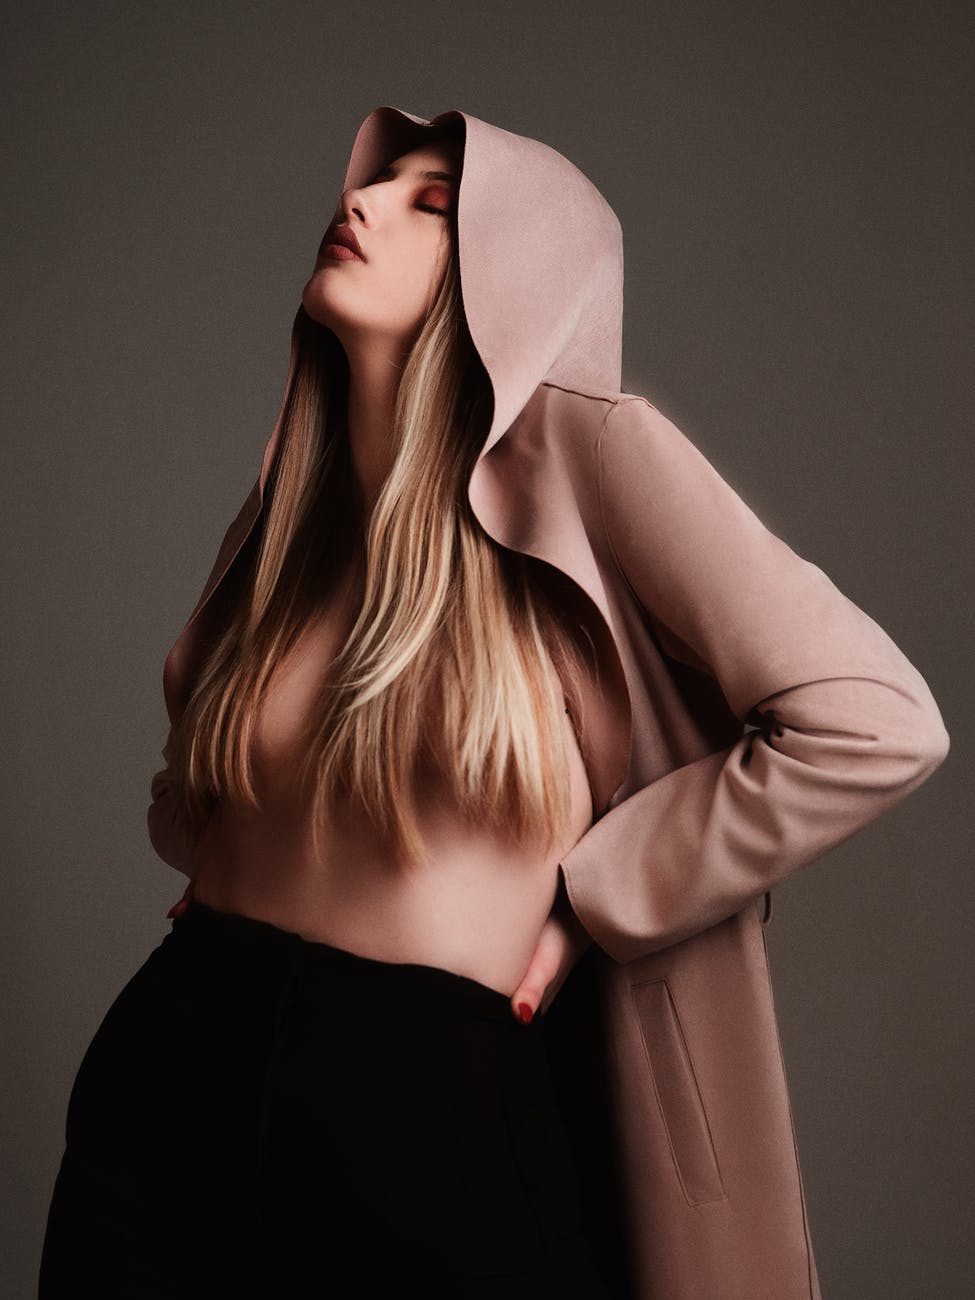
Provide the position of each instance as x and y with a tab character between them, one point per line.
476	908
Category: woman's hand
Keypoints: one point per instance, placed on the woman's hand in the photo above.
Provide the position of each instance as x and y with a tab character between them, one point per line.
180	906
561	943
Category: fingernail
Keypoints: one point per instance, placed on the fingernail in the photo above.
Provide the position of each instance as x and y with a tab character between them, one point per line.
525	1012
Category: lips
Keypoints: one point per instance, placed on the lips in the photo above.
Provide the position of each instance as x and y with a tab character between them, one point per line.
343	236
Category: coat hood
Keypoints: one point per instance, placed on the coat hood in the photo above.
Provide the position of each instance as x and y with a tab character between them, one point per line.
543	306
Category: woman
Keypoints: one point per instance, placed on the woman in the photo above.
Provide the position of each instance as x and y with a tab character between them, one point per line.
491	665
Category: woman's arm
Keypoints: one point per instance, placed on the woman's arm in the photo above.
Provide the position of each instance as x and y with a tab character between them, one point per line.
168	832
847	725
560	945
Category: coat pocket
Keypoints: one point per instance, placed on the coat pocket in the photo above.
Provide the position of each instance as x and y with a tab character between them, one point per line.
677	1091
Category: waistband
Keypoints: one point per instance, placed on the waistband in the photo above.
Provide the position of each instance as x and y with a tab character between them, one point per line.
233	936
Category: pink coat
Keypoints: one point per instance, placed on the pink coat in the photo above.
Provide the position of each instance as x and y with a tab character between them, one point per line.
749	718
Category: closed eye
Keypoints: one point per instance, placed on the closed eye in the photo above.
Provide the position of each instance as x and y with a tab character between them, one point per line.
387	173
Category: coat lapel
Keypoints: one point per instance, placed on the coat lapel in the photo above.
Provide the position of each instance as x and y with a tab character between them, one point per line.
536	513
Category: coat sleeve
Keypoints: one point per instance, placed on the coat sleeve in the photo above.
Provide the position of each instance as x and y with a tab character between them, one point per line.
846	725
168	833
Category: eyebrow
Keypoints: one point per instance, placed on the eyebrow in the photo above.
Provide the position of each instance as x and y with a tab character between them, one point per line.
428	176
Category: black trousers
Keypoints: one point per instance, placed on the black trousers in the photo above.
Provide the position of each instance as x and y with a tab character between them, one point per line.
261	1115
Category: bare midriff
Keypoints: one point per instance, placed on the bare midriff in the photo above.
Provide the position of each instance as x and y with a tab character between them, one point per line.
476	906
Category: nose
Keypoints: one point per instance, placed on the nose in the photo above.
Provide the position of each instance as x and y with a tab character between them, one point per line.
352	201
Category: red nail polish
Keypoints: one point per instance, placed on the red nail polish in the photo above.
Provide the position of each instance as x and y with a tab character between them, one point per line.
525	1012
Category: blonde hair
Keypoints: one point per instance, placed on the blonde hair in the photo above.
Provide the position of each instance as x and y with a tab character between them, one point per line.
445	662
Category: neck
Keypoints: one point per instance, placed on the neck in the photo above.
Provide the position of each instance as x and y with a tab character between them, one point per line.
374	376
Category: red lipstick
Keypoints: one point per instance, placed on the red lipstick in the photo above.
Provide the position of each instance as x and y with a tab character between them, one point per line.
341	244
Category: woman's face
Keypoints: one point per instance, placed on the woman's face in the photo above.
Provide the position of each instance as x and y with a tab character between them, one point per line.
402	221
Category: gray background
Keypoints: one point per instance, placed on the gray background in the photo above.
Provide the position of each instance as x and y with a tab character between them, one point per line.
794	189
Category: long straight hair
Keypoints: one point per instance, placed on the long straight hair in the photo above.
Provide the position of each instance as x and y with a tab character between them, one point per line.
444	671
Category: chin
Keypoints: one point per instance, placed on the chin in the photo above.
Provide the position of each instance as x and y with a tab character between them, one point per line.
314	299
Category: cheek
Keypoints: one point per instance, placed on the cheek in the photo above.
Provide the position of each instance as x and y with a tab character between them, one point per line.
410	288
